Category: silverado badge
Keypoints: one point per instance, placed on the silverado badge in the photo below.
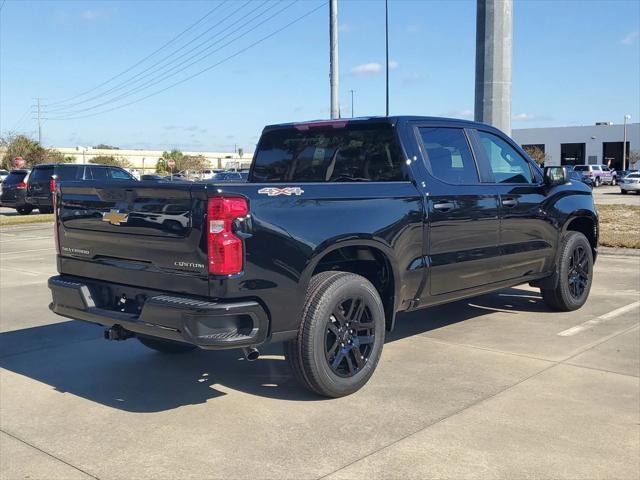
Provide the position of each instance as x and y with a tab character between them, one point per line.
114	217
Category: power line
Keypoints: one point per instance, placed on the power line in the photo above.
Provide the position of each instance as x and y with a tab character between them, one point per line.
239	52
153	82
193	25
131	79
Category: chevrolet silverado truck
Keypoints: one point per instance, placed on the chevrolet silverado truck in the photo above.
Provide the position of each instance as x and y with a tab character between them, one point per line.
341	225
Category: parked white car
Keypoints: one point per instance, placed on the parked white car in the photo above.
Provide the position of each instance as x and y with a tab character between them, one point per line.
630	183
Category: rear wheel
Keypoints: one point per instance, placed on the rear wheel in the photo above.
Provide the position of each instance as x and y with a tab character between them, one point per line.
623	192
614	182
341	335
24	210
575	273
597	181
165	346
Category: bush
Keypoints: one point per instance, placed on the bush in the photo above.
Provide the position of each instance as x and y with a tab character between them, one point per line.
111	160
29	149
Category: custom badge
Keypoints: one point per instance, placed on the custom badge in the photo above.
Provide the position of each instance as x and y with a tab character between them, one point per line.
114	217
274	191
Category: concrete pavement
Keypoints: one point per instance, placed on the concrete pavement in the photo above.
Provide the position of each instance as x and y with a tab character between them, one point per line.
492	387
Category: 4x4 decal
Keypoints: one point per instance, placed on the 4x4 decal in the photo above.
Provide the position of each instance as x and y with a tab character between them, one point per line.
274	191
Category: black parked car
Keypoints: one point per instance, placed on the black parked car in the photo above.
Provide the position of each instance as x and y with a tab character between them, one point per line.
43	178
13	188
341	225
580	176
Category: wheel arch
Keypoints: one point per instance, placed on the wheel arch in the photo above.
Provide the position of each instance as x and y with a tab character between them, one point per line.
363	256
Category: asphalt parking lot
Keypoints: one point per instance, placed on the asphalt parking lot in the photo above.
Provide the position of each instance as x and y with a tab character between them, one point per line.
610	195
494	387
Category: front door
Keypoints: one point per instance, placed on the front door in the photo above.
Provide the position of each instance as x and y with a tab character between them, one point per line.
527	238
462	213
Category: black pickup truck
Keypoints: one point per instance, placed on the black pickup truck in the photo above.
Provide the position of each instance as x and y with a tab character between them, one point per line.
341	225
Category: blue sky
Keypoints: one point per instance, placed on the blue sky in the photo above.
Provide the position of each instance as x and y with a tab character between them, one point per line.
574	62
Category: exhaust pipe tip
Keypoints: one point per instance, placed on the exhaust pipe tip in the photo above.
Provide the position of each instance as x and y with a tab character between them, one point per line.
251	354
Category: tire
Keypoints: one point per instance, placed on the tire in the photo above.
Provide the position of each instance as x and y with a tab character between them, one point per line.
624	192
24	210
574	284
597	182
327	356
165	346
614	182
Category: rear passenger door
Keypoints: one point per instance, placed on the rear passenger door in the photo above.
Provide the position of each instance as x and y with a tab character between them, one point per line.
462	212
527	238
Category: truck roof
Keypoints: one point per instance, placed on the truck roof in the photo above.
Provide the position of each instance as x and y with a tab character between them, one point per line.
391	120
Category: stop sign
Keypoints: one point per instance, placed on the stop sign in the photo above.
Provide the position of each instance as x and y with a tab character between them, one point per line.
18	162
171	162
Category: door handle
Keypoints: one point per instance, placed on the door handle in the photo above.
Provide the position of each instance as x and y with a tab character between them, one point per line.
444	206
509	202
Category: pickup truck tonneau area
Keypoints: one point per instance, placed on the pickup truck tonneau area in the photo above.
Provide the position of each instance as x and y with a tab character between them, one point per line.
340	225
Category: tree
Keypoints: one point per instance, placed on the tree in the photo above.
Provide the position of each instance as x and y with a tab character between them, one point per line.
104	146
111	160
634	158
162	165
537	154
192	163
29	149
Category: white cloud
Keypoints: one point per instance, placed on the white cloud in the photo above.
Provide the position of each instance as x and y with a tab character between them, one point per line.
373	68
524	117
367	69
630	38
413	77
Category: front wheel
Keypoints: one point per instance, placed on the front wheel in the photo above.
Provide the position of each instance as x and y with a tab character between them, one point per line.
597	182
575	274
165	346
341	335
614	182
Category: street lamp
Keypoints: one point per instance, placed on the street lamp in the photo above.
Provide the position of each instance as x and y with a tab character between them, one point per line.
351	102
624	142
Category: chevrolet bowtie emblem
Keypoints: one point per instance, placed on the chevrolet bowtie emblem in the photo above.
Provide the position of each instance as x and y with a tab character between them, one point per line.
114	217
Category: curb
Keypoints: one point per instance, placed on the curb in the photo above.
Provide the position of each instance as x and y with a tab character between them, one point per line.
615	251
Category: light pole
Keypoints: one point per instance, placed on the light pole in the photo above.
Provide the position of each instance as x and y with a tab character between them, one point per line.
386	39
624	142
351	91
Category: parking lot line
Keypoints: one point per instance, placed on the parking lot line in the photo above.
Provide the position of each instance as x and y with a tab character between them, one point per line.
20	252
15	270
602	318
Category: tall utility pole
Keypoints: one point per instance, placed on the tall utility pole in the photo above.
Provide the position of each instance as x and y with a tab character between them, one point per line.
494	27
624	142
386	39
333	58
39	118
351	91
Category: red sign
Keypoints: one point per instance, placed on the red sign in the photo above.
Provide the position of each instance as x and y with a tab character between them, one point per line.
18	162
171	162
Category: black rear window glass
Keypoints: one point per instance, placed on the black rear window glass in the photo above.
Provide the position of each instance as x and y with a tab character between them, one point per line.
14	177
69	172
41	174
581	168
354	153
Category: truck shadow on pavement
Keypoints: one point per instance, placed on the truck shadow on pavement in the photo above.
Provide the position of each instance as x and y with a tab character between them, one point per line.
73	358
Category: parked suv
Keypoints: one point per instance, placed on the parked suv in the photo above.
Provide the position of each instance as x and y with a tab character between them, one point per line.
13	190
598	173
340	225
43	178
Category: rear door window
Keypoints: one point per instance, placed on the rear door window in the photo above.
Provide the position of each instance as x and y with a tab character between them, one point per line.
365	152
448	155
69	172
118	174
98	173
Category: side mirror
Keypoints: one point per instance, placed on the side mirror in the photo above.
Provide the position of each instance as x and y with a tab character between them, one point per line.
555	176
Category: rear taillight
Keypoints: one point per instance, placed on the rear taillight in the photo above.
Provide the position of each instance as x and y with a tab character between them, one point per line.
226	250
52	185
54	201
21	185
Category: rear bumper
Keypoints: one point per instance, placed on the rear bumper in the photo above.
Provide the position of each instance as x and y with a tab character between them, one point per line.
631	187
209	325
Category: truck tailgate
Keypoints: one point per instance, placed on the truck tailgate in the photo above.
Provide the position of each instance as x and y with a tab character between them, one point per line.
134	233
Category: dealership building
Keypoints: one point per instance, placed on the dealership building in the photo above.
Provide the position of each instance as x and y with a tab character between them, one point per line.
590	144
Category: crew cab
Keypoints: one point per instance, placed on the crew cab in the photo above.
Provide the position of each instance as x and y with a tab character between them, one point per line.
341	225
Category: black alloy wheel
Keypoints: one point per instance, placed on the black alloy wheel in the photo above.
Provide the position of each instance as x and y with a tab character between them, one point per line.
349	337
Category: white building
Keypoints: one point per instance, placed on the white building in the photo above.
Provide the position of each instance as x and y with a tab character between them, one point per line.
590	144
145	160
